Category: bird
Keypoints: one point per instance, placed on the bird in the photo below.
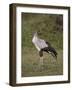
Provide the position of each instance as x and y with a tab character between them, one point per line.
43	46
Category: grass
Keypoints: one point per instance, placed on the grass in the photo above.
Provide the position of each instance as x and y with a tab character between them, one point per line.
31	64
50	28
47	25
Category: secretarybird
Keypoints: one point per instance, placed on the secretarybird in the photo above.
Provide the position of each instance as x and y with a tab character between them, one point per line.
43	46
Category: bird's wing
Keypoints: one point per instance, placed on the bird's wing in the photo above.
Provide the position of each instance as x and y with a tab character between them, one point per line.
42	43
39	43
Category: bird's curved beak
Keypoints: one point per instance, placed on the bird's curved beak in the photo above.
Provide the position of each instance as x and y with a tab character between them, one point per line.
32	34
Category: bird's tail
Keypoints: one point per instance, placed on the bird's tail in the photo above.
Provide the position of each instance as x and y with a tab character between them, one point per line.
50	50
53	52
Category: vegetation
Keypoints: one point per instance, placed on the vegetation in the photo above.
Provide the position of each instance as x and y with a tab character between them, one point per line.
50	28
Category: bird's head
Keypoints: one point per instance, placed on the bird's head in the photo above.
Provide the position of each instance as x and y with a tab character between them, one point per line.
35	33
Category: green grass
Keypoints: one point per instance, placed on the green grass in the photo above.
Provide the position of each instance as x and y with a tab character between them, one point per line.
50	28
47	25
31	64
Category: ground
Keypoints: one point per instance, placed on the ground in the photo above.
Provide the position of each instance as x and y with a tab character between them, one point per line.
31	64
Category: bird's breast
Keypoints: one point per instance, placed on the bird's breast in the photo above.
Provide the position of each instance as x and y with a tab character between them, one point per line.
35	42
39	43
34	39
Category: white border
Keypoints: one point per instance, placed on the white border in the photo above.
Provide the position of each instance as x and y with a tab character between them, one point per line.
63	77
